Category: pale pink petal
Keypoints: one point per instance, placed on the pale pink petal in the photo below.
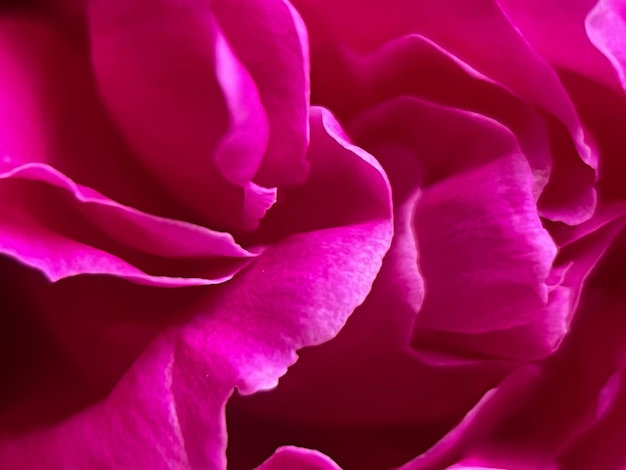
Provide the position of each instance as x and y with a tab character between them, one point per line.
294	458
186	104
271	42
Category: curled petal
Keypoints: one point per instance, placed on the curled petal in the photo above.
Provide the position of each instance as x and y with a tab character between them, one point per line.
65	229
271	41
491	49
606	28
167	412
294	458
571	48
197	121
477	423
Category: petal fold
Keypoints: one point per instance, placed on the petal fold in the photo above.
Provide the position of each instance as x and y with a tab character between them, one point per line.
167	412
197	123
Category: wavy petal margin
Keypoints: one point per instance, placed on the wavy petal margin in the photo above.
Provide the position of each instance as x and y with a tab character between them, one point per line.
167	412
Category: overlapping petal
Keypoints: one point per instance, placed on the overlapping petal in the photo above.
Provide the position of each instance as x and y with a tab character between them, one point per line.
480	38
606	29
293	458
58	224
185	103
279	65
65	229
573	415
298	292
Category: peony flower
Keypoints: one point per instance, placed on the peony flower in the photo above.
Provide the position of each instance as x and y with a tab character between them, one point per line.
444	211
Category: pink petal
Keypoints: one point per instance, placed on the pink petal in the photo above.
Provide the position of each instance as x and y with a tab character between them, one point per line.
606	29
573	417
478	422
83	333
444	141
49	127
50	113
168	409
557	30
197	123
271	42
365	398
491	49
479	236
75	230
602	446
337	191
294	458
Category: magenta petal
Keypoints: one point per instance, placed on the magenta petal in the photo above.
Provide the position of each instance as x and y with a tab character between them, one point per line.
78	231
498	51
271	42
168	410
487	45
479	236
574	415
602	446
477	423
50	113
294	458
197	123
571	48
606	28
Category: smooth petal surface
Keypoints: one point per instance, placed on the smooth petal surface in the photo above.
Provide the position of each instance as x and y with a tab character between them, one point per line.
298	292
57	146
197	123
64	230
293	458
478	422
558	31
50	113
478	32
272	33
606	28
416	66
482	40
573	416
480	237
477	210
